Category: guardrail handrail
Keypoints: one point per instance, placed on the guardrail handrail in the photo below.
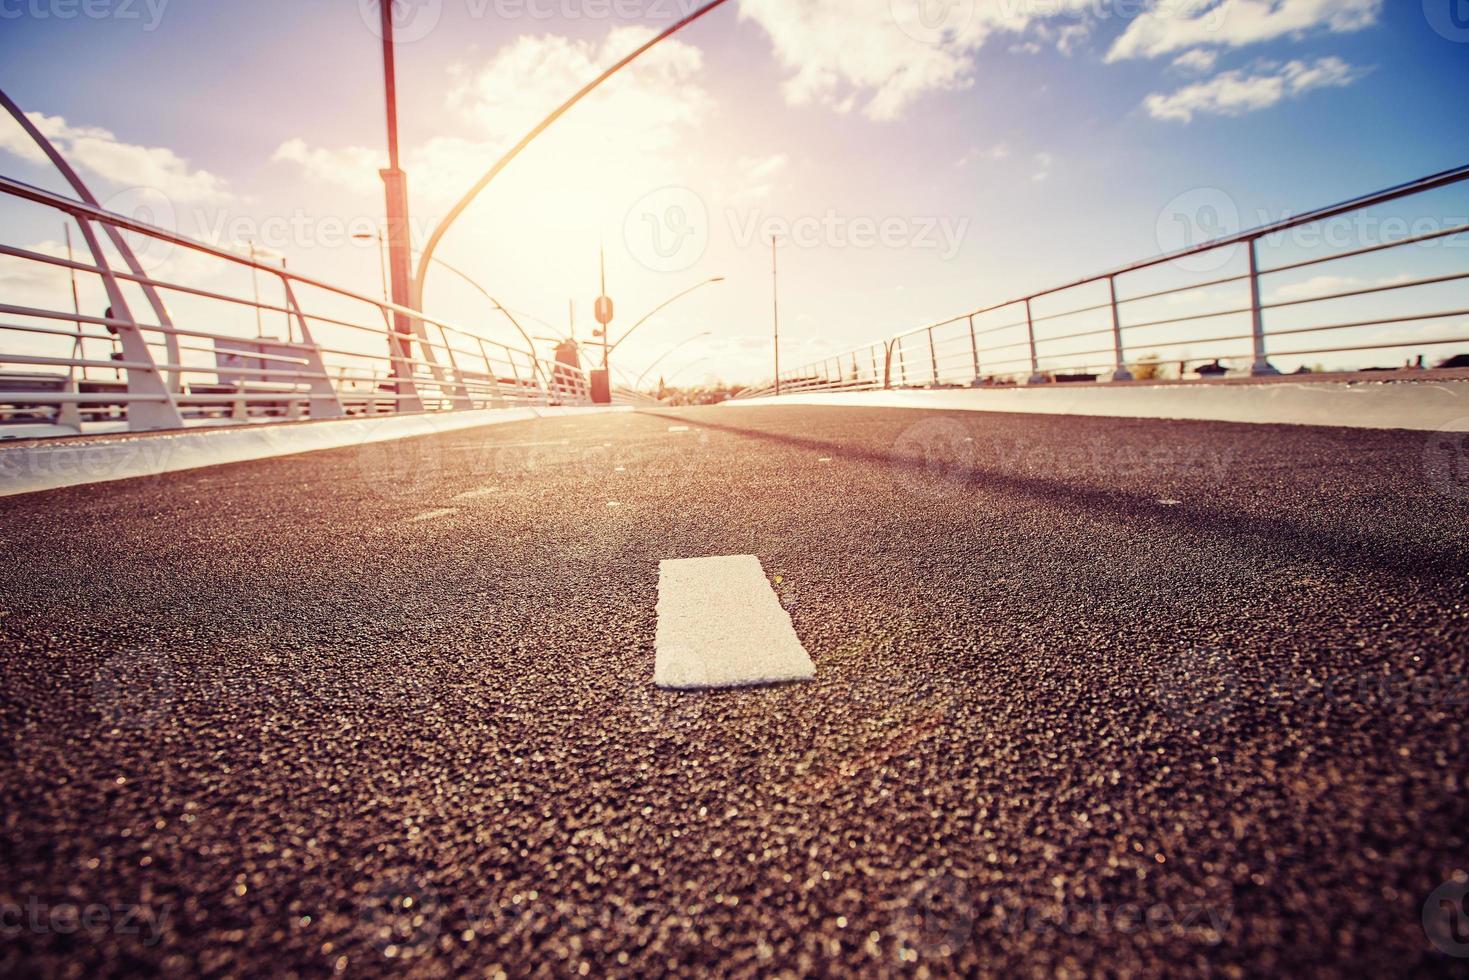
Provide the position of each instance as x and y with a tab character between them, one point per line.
454	368
889	357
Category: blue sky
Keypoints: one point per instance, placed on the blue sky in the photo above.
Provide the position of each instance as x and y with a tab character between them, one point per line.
1022	143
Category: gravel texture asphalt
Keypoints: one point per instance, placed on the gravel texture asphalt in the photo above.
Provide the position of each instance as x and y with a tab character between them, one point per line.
1093	696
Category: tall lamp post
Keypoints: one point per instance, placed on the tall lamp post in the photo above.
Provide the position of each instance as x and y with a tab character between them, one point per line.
530	344
775	310
651	313
599	389
660	358
395	188
438	233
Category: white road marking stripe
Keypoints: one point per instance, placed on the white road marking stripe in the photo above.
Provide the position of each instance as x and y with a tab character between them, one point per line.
431	515
678	428
721	625
472	494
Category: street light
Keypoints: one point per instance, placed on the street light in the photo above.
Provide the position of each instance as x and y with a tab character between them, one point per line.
382	254
686	367
607	351
395	190
363	236
256	254
433	240
659	359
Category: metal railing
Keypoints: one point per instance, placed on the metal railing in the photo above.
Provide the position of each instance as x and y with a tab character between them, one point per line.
65	370
1218	307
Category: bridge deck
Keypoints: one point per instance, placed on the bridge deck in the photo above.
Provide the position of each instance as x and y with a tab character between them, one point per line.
1089	692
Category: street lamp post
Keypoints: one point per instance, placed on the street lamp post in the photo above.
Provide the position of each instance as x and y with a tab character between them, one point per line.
395	188
608	347
363	236
668	302
438	233
382	255
775	310
660	358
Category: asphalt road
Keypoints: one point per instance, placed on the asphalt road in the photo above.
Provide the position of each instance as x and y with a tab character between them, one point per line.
1139	697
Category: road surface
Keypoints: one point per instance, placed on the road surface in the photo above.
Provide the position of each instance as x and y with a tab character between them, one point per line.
1159	698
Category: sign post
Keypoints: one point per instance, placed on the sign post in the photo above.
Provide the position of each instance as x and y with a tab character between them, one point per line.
602	310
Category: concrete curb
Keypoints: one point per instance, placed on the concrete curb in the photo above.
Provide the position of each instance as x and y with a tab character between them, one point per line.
1420	405
55	463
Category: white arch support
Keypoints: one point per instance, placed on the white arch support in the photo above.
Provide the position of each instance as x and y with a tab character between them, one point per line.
170	339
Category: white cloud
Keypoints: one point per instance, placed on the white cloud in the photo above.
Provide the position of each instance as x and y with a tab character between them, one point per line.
1173	25
1069	37
353	167
1235	93
1197	60
999	151
756	174
97	152
1043	164
1326	285
648	102
884	54
637	116
759	168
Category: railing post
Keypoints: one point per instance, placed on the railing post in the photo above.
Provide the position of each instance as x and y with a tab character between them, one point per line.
515	375
902	364
933	361
1261	366
974	350
1119	372
160	411
462	398
1035	365
326	401
887	363
497	398
402	376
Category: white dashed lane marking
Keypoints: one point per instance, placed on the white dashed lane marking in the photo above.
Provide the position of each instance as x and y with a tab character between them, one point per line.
472	494
721	625
432	515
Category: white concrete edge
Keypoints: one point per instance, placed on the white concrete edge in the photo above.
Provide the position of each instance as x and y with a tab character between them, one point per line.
1420	405
50	465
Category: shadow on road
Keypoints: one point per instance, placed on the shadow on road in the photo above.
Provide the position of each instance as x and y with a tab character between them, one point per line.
1387	550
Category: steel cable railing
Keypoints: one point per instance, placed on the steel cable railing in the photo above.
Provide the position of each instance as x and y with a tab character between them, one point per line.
65	370
1246	322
